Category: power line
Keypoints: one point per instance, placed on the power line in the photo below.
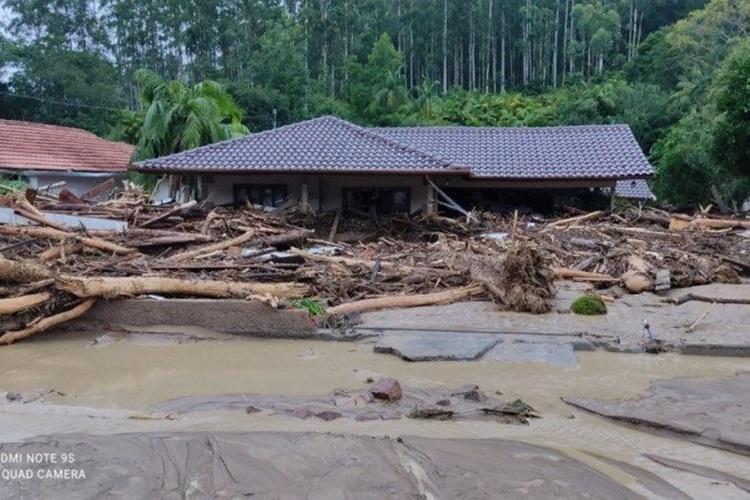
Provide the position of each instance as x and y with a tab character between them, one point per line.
271	116
63	103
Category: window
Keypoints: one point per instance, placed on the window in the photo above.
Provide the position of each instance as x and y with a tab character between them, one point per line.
267	195
382	201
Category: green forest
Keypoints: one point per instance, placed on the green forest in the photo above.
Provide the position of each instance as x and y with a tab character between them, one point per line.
169	75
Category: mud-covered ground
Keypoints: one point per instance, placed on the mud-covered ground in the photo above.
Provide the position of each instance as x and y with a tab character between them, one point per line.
723	329
122	402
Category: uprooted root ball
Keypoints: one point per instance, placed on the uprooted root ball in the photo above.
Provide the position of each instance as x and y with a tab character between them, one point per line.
528	281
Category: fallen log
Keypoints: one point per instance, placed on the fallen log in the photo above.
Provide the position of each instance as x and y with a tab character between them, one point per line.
702	298
574	220
18	304
60	251
289	238
222	245
349	261
54	234
660	220
719	224
567	273
39	220
402	301
47	323
585	243
22	272
208	220
185	239
138	285
168	213
137	232
334	226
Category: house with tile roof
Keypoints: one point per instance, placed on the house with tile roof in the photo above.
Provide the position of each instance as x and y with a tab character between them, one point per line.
44	155
329	164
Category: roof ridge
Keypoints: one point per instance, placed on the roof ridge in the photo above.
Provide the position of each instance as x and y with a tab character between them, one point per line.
519	129
367	132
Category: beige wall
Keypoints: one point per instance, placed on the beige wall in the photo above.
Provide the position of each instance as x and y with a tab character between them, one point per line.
324	191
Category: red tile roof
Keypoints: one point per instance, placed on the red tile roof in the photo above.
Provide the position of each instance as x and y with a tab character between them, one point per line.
35	146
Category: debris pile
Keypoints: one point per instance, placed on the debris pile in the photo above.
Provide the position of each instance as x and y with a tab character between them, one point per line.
61	256
468	402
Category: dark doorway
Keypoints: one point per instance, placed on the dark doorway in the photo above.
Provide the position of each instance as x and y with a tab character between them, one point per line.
267	195
381	201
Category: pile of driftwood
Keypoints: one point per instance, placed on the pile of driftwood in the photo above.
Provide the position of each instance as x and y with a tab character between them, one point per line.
52	272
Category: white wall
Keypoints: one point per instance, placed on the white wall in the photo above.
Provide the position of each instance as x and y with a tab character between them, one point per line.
77	183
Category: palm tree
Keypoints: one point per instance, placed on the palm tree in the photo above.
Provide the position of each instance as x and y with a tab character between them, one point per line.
391	95
177	117
428	97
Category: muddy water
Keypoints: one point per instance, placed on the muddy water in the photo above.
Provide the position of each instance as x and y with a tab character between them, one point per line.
98	387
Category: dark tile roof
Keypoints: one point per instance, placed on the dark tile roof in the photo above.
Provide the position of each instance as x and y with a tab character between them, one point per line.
591	151
326	144
635	189
329	144
36	146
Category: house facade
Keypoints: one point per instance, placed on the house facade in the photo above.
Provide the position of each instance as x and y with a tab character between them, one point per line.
330	164
53	157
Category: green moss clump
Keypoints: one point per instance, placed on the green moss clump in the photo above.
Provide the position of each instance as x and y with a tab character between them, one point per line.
589	305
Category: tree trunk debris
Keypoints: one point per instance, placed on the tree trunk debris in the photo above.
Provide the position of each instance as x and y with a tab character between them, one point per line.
52	273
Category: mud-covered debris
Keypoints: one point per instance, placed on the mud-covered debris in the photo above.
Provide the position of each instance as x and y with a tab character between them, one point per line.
387	388
328	415
431	413
470	392
303	413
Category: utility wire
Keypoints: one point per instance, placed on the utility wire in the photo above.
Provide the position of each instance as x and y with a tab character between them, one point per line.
63	103
270	116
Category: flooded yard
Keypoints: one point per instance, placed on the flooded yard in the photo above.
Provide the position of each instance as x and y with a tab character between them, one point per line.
93	384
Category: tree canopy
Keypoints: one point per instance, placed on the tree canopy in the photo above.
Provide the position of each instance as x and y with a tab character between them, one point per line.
206	69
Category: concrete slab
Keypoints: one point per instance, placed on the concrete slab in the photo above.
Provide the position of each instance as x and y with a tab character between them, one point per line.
708	411
227	316
724	331
301	465
436	346
524	350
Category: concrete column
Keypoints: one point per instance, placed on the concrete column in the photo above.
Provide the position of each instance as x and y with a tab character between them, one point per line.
430	207
304	199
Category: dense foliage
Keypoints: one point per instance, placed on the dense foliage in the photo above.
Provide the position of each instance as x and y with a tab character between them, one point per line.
673	70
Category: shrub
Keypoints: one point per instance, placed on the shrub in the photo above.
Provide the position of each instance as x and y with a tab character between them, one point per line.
589	305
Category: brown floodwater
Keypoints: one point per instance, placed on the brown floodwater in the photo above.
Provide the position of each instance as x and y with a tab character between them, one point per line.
97	388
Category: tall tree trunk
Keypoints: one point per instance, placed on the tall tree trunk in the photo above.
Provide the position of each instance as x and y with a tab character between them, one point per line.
631	31
571	57
526	44
555	44
503	30
472	49
488	56
445	46
411	45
